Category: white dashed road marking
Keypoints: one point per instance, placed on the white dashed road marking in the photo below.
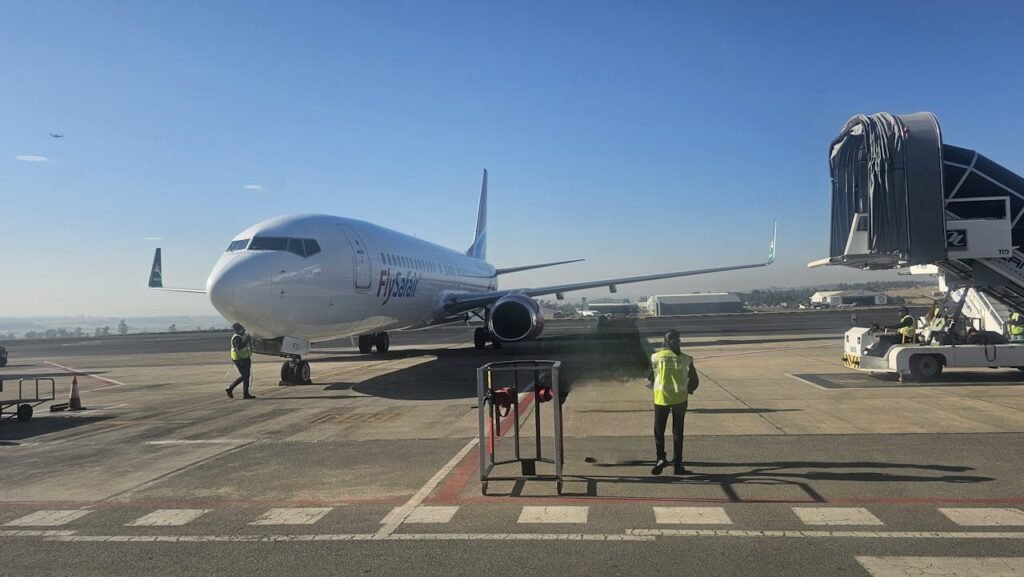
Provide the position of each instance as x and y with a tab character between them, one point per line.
836	516
691	516
47	518
168	518
398	515
985	517
943	566
292	516
431	514
553	515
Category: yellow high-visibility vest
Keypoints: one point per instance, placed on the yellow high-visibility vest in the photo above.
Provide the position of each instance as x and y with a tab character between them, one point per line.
671	377
1015	329
243	353
908	333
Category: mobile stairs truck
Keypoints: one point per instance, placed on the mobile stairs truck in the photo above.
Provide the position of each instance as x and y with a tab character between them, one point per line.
900	199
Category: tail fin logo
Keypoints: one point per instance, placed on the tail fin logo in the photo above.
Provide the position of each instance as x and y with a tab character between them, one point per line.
479	247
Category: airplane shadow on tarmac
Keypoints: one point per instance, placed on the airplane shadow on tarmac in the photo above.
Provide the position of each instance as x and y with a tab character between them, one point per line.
604	355
11	430
799	474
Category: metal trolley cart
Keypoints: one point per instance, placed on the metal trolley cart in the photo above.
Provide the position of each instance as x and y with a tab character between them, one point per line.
498	388
24	404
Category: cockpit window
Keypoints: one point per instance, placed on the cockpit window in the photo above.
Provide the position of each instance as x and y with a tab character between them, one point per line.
238	244
269	243
303	247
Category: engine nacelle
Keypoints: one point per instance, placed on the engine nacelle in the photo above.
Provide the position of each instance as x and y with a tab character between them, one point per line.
516	318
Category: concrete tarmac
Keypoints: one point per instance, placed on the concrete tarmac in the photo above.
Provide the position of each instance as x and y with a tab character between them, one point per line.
798	466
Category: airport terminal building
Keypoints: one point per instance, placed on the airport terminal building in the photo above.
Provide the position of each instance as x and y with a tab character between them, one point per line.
697	303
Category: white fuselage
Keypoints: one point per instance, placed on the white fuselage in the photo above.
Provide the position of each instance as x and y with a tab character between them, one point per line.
356	278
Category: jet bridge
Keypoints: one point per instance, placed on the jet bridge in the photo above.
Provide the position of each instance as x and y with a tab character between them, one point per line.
901	197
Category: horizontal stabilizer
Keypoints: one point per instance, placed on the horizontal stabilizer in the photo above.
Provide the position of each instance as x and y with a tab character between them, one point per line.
501	271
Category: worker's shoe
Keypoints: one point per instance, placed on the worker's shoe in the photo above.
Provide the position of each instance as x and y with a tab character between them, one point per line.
679	469
248	396
230	394
659	467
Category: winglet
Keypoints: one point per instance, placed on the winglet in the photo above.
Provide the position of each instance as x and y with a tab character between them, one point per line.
156	277
771	247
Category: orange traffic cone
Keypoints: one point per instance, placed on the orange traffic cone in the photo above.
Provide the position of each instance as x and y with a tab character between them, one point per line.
76	399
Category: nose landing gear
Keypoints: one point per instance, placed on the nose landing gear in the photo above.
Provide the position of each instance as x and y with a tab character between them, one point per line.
295	371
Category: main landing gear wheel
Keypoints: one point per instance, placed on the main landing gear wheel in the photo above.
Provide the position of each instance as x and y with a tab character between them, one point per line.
480	338
495	343
365	344
383	342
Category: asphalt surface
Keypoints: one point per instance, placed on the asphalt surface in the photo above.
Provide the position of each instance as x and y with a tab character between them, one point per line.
373	469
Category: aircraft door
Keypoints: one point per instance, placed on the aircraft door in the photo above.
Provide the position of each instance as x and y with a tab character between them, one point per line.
360	258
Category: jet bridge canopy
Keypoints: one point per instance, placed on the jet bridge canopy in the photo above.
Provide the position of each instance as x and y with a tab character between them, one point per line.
901	197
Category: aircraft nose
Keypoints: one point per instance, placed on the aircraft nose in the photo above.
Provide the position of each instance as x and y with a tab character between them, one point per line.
240	289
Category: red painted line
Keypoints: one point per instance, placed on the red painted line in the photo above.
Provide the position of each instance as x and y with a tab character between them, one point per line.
563	499
452	487
201	503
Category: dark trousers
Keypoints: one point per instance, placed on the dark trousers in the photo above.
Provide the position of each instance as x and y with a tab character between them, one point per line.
661	413
244	367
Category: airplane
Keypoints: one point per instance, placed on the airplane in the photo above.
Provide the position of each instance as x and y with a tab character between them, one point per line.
294	280
53	135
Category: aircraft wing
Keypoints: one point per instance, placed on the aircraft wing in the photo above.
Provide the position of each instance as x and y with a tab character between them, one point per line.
156	278
464	302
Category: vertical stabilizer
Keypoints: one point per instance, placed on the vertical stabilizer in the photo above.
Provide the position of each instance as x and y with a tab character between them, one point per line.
479	247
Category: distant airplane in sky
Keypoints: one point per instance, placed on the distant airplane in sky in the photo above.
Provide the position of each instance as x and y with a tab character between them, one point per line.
297	279
55	135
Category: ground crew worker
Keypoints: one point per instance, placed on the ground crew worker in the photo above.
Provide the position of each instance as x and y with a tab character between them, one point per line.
673	378
241	353
1016	325
906	331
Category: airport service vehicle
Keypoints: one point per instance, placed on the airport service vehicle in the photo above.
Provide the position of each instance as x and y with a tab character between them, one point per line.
298	279
901	198
924	362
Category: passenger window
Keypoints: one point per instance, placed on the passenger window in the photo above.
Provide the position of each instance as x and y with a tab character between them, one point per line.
268	243
312	246
237	245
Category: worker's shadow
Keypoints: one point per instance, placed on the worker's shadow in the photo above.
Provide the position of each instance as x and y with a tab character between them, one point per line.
799	474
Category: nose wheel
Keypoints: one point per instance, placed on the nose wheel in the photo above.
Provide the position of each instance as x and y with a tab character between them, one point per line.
296	372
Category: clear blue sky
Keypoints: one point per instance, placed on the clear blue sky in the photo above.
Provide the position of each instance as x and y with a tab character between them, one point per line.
643	136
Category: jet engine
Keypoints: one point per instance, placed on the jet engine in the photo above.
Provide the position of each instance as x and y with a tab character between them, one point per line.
516	317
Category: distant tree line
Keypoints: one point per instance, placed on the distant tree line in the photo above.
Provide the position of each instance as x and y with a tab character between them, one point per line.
78	332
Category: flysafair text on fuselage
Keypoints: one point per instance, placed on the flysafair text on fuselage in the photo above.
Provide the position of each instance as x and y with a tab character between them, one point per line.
397	285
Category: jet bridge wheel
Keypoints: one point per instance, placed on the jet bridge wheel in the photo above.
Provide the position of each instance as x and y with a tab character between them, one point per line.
925	367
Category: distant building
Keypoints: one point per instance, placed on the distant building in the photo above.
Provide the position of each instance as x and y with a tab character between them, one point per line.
855	297
697	303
